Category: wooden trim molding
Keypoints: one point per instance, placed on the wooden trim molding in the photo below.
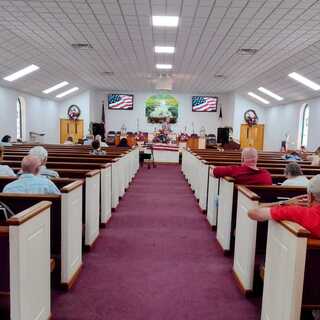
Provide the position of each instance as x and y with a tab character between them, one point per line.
92	173
248	193
4	231
70	284
29	213
314	243
239	284
296	229
72	186
229	179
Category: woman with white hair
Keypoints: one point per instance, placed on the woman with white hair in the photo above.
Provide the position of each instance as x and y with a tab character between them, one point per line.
102	143
5	171
42	154
294	176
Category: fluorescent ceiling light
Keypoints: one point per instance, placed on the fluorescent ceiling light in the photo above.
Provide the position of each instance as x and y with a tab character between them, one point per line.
163	66
21	73
270	93
60	95
163	49
253	95
165	21
298	77
56	87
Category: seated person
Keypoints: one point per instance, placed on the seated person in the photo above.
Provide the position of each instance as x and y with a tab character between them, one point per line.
30	181
42	154
294	176
97	149
292	156
102	143
88	140
304	209
69	141
315	158
123	143
248	173
6	141
5	171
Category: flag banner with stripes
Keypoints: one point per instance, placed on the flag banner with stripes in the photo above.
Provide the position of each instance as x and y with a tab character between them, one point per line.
120	101
204	104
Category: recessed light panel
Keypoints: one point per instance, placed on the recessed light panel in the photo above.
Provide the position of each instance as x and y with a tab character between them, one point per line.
21	73
60	95
164	66
165	21
253	95
307	82
56	87
270	93
163	49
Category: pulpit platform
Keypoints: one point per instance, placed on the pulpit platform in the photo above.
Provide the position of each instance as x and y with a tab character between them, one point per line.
163	153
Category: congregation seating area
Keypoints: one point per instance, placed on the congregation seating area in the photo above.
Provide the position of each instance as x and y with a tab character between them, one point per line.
281	257
51	233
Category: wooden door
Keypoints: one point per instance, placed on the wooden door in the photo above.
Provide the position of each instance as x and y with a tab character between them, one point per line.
71	128
252	136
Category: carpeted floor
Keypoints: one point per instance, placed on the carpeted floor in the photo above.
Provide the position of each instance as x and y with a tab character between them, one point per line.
156	260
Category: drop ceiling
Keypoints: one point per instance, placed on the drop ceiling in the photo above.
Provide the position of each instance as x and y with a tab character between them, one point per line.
210	33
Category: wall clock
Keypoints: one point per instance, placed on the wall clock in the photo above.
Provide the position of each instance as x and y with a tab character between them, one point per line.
74	112
251	117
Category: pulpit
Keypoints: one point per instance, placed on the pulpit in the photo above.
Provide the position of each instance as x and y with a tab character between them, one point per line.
252	136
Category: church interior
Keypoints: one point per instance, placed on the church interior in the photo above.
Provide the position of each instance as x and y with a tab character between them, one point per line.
159	159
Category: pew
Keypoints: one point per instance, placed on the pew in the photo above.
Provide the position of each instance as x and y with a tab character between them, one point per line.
66	223
25	262
291	272
250	235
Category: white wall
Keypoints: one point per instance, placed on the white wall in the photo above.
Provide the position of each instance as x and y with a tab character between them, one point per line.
115	119
42	115
285	119
241	105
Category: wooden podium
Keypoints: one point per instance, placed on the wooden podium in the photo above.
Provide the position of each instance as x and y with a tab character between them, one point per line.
71	128
252	136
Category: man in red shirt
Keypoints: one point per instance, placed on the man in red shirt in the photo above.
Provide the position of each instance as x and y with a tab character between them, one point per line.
304	209
248	173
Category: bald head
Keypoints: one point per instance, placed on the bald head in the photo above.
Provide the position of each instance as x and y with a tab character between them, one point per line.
250	157
31	164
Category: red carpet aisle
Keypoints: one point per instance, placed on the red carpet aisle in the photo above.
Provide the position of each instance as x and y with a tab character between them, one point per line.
157	260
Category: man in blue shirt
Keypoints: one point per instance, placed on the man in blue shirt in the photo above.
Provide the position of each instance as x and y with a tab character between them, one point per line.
30	181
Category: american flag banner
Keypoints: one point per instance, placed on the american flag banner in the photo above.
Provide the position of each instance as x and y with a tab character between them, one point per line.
120	101
204	104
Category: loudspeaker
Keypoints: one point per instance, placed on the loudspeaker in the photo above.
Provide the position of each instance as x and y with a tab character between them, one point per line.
223	135
98	128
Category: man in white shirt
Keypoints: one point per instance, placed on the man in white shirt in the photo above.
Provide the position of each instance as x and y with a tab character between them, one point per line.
294	176
5	171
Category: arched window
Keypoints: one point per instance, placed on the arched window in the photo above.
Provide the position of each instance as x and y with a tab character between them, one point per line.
305	125
19	119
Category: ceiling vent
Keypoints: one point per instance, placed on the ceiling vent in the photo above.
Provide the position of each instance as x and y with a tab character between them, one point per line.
219	76
108	73
82	46
247	52
164	83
